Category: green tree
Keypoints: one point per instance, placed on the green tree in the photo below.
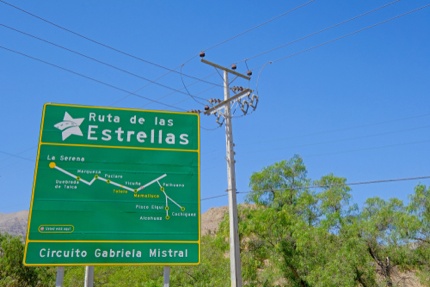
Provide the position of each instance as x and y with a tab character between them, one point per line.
334	241
304	238
213	271
283	204
279	184
419	232
382	228
13	272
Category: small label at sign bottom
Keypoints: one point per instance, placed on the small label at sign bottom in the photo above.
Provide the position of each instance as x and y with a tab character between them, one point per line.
56	228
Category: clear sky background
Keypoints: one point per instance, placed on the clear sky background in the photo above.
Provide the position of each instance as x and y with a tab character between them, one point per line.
343	84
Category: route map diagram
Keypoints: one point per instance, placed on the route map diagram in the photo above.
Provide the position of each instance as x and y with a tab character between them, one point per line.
115	194
53	165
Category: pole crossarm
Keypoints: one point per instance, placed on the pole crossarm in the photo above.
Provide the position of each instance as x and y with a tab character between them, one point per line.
215	108
226	69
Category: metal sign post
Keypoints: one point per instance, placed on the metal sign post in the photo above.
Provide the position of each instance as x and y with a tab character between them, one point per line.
60	277
166	275
89	276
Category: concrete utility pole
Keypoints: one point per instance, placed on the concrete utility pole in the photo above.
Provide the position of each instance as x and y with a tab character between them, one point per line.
223	108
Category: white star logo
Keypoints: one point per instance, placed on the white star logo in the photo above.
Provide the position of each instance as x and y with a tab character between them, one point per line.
69	126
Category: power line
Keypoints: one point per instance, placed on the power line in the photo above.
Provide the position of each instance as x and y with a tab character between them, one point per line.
243	33
216	196
100	43
370	148
389	180
237	36
352	127
346	139
89	78
321	31
362	149
350	34
94	59
250	29
260	25
331	41
135	57
171	93
114	49
188	92
17	155
323	186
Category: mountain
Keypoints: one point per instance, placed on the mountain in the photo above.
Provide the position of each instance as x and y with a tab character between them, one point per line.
14	223
211	219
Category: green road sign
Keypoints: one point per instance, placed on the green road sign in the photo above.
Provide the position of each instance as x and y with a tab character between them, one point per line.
115	186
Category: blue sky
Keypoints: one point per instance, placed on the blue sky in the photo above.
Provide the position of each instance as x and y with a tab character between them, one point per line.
352	100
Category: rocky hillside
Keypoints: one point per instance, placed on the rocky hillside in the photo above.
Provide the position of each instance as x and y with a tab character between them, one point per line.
212	218
16	223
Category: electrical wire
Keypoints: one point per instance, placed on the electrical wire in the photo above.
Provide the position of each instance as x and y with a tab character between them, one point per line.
259	75
306	49
100	43
262	68
387	180
349	128
214	197
166	95
370	148
88	77
351	34
341	130
188	92
17	155
138	58
320	31
364	149
114	49
323	186
345	139
250	29
93	59
260	25
247	31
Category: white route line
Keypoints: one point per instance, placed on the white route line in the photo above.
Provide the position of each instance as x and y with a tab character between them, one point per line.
65	171
168	197
108	181
114	183
177	204
167	204
151	182
86	182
